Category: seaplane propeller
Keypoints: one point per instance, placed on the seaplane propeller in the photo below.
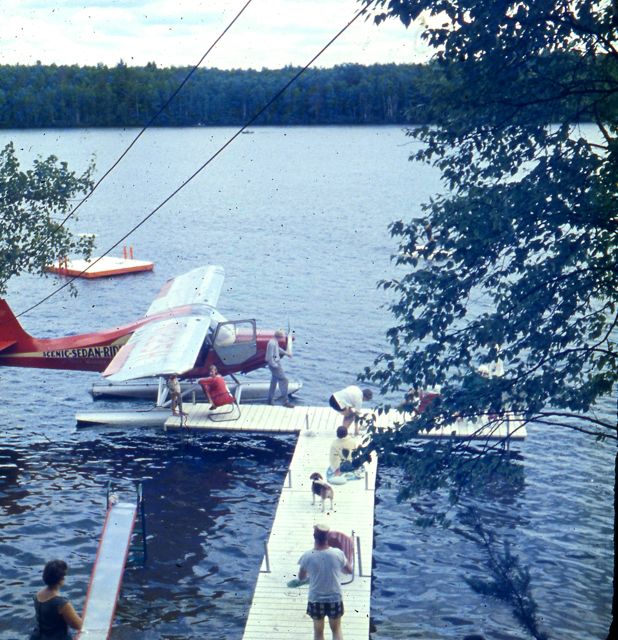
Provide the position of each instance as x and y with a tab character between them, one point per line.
290	340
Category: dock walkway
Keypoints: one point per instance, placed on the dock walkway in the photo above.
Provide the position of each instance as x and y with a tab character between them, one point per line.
278	611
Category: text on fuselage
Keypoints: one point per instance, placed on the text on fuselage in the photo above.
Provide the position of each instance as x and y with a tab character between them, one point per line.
83	352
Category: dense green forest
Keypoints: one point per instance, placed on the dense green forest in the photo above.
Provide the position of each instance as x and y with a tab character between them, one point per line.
122	96
73	96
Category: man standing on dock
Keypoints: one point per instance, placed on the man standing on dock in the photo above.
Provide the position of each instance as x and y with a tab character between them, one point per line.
323	565
274	353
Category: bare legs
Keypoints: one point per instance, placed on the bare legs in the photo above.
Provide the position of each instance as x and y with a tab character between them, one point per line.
335	627
176	404
318	629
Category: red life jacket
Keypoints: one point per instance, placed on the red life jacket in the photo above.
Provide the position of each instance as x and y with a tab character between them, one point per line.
216	387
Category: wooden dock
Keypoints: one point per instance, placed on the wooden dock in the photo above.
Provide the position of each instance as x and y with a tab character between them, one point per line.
277	419
278	611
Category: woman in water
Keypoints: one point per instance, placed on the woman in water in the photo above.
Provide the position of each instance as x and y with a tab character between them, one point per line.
54	613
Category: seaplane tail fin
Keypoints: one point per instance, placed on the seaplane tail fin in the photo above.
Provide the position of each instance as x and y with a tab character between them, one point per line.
10	329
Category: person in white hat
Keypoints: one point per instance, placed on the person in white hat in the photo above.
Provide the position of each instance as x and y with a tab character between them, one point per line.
323	565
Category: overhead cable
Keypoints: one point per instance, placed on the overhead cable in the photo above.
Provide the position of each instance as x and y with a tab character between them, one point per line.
158	113
226	144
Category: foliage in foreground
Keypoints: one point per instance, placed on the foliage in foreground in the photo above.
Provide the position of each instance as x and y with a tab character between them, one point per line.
33	204
517	257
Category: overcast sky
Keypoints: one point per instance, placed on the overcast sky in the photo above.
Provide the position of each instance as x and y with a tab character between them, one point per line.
270	33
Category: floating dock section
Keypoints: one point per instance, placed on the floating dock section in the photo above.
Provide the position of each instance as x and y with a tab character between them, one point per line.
99	267
108	570
277	419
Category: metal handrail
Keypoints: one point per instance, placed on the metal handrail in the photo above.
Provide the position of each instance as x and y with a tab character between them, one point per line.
360	561
266	559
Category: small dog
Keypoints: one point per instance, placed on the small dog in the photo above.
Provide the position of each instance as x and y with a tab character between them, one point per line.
321	489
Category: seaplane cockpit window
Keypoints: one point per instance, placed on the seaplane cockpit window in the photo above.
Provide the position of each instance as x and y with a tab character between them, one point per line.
226	335
235	341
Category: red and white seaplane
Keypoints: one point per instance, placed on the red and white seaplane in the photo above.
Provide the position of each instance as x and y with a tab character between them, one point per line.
181	334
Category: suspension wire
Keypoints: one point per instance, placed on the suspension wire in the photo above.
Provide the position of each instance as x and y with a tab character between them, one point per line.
224	146
157	114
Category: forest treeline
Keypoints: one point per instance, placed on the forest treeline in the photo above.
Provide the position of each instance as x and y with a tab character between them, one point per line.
47	96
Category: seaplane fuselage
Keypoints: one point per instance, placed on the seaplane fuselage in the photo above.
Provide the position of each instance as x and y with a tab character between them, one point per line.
94	351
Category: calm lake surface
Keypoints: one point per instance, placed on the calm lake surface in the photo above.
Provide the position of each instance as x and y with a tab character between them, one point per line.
298	217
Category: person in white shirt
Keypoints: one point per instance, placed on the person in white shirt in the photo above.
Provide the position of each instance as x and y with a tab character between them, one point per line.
349	402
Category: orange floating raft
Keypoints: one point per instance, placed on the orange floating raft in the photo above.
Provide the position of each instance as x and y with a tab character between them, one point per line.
100	267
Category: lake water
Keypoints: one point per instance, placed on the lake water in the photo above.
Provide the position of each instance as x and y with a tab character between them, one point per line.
298	217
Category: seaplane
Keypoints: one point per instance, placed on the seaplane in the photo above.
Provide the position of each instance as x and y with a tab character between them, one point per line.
182	334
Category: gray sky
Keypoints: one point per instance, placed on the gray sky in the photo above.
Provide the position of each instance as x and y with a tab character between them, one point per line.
270	33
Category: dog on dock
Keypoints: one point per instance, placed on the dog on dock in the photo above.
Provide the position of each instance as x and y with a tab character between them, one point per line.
321	489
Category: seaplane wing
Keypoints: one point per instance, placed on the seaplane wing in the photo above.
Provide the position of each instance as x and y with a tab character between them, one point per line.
162	347
199	286
172	342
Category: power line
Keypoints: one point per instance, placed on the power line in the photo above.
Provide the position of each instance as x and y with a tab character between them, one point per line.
158	113
226	144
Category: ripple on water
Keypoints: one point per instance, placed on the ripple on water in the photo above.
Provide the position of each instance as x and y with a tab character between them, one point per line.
195	508
558	519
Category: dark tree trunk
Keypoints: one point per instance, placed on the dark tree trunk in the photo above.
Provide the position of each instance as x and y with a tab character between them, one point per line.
613	628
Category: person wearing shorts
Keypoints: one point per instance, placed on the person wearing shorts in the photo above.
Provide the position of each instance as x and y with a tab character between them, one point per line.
323	565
